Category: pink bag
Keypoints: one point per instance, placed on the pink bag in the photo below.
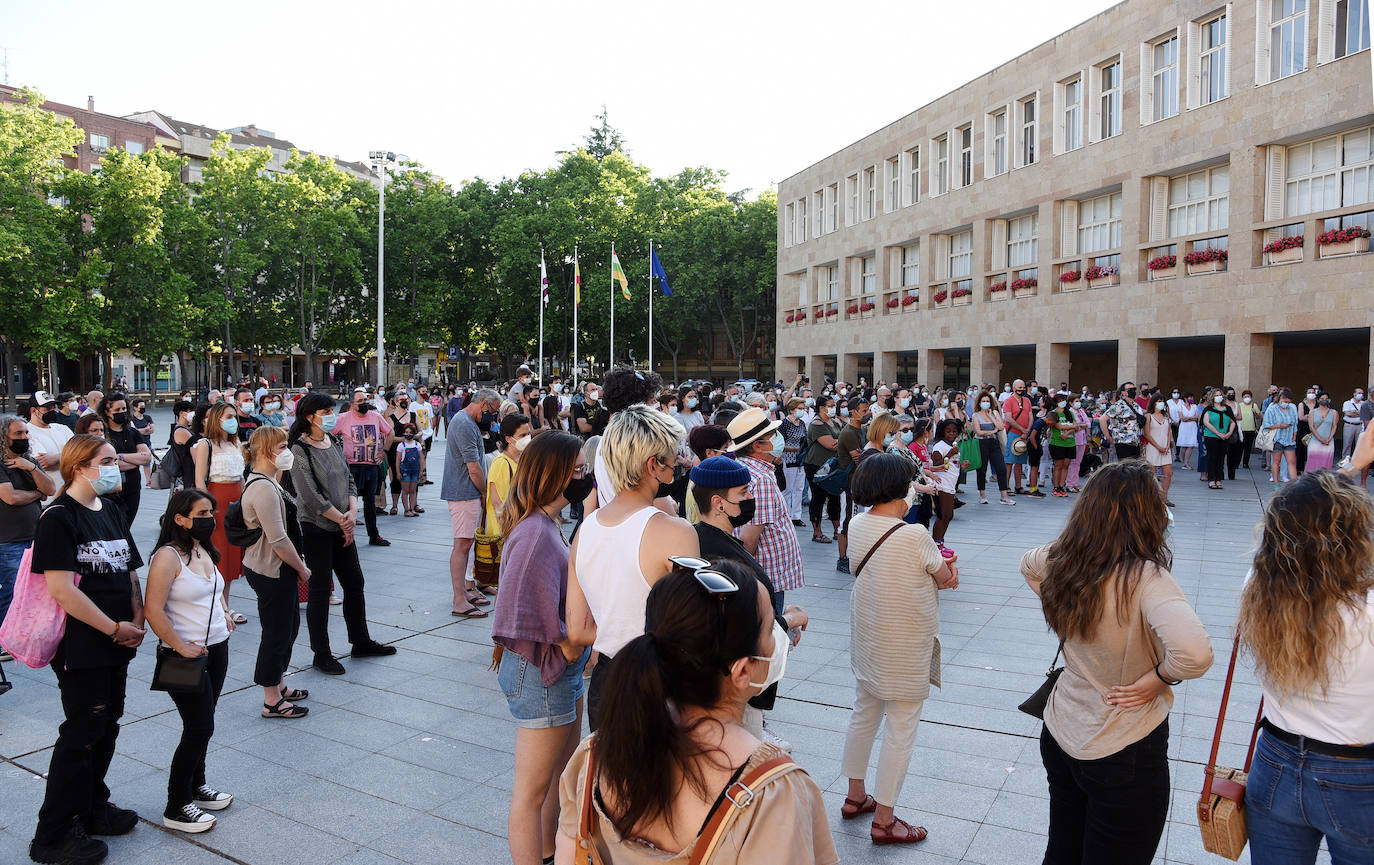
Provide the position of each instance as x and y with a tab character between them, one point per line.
35	622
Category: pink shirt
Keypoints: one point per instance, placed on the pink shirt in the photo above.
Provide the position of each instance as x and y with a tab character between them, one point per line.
363	436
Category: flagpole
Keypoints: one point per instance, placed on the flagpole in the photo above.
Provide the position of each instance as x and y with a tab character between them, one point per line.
610	362
651	304
577	302
543	283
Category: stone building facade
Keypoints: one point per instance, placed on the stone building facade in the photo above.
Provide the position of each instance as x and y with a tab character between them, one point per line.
942	249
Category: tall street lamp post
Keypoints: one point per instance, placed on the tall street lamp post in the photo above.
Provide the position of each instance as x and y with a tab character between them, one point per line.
380	160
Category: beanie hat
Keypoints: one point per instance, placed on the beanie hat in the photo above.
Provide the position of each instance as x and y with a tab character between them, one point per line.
720	473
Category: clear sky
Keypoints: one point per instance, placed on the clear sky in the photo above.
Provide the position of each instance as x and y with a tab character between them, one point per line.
488	89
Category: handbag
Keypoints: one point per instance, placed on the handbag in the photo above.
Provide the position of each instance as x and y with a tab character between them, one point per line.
486	556
738	796
35	623
1221	807
1034	705
831	478
971	452
178	674
1264	440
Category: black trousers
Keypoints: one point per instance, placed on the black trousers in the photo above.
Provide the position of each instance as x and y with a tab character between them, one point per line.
1216	459
365	478
197	726
92	703
279	612
991	449
822	502
1127	452
594	687
1248	446
1109	811
1235	448
326	555
1303	429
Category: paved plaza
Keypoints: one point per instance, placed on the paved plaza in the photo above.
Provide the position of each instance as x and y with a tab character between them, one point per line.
408	759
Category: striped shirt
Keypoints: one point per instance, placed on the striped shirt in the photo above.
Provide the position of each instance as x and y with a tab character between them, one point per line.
779	553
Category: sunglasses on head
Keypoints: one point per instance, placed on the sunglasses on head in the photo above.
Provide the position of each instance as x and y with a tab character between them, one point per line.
713	581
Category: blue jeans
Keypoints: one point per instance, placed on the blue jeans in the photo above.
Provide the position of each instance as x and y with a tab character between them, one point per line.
1293	798
10	556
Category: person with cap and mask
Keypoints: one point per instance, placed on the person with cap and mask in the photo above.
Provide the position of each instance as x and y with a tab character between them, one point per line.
769	536
523	376
47	435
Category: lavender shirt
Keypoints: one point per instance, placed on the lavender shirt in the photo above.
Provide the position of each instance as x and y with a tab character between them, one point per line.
529	612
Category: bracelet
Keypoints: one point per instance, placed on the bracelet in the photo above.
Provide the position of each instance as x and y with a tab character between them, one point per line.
115	633
1164	680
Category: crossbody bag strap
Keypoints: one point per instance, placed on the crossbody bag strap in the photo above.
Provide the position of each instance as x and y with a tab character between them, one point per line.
873	549
585	823
1226	787
738	796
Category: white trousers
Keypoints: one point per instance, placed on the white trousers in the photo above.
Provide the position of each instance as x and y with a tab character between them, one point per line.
899	740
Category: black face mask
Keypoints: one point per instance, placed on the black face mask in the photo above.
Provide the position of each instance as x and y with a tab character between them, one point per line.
746	513
50	416
1130	392
19	446
202	528
362	408
578	489
488	418
404	404
120	417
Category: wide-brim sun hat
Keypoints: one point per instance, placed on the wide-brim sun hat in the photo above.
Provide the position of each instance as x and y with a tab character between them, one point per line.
749	426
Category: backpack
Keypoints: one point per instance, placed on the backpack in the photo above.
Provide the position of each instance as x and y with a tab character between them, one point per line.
167	471
235	527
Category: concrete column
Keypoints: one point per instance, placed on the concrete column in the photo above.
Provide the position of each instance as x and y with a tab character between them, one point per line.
847	368
985	365
1051	363
930	367
815	370
885	367
1137	360
1248	361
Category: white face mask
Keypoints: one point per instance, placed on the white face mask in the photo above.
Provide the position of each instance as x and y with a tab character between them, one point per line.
558	388
522	443
985	405
1247	400
777	663
944	403
284	460
246	407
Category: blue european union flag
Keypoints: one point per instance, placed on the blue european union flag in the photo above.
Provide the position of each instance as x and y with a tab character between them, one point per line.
656	268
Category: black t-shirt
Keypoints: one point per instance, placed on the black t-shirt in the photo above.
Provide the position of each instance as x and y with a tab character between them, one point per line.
717	545
593	413
67	420
17	522
141	424
98	547
126	441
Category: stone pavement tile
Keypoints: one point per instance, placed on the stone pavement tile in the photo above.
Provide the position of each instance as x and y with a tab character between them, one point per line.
456	694
302	749
399	782
367	856
347	813
970	741
256	835
1015	811
949	836
23	794
986	772
430	840
341	725
451	756
997	845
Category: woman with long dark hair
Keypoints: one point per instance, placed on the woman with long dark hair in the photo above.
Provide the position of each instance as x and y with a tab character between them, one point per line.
1128	635
1306	618
133	451
219	464
671	742
186	609
540	669
988	426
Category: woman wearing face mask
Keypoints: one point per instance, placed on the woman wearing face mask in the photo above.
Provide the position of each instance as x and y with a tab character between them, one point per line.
944	467
540	669
269	411
219	466
1156	438
23	487
1188	417
1218	428
1082	423
84	550
894	645
672	742
883	431
1061	425
822	437
1305	409
793	431
144	426
398	413
515	437
133	451
987	425
408	458
1282	418
180	440
274	569
1250	419
1321	450
186	611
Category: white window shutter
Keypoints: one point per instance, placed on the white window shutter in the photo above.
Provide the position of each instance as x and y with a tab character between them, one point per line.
1068	229
1058	124
999	244
942	256
1194	67
1261	42
1275	175
1326	31
1159	208
1147	84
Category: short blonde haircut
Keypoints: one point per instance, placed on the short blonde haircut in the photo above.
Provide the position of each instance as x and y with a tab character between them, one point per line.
880	427
263	441
634	436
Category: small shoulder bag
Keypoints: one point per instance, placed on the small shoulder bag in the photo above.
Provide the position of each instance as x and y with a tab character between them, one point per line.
1221	807
1035	704
178	674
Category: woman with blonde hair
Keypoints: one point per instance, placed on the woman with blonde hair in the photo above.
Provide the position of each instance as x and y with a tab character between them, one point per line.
1307	620
219	466
1128	635
540	670
988	428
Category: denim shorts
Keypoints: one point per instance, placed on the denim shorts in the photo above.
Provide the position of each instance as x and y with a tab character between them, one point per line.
1278	448
534	706
410	474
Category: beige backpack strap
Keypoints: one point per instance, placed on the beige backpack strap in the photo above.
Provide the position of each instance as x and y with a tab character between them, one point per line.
738	796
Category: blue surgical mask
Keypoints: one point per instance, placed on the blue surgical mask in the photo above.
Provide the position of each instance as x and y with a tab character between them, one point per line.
889	439
691	402
904	402
908	436
772	405
777	444
108	481
811	401
230	425
327	423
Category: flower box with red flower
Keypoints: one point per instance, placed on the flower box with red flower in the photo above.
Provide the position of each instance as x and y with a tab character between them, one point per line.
852	309
832	312
909	302
894	302
1163	267
1069	279
1207	260
1285	250
1343	241
1024	287
801	317
998	290
791	318
961	297
866	309
940	297
1101	276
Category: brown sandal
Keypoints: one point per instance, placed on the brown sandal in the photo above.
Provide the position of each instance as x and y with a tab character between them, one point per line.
851	809
897	832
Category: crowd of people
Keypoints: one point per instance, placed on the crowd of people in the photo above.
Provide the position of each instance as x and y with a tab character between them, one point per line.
648	539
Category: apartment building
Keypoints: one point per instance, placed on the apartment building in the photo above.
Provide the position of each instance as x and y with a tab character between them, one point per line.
1169	192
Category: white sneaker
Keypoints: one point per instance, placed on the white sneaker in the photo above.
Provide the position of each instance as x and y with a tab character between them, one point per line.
189	818
210	799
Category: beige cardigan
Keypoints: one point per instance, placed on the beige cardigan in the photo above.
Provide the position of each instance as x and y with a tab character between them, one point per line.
263	507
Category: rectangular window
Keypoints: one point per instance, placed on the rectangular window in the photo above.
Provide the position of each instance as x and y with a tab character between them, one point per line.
1287	38
1030	130
1164	76
960	254
913	175
787	225
1212	62
1099	223
1352	26
942	165
1109	100
911	265
997	134
801	220
894	183
832	207
99	143
851	199
870	200
1199	201
1023	235
870	275
1331	172
133	147
1073	114
832	283
966	156
818	212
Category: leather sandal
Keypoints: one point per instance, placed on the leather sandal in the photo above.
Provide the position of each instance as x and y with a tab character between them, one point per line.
897	832
291	695
276	711
851	809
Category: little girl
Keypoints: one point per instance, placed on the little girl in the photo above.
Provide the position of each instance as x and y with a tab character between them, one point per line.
408	469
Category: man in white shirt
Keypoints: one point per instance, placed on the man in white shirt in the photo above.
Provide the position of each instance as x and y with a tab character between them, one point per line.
1351	415
92	401
46	434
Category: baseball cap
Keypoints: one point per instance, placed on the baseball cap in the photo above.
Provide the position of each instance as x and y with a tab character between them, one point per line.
41	398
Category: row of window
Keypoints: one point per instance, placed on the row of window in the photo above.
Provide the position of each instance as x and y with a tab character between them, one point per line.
1091	101
101	143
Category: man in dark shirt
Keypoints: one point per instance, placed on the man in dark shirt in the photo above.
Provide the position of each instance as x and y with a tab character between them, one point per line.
589	417
850	443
